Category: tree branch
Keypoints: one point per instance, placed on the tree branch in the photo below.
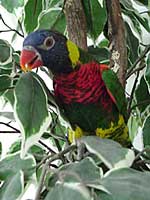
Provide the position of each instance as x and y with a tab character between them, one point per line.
142	56
8	88
116	33
136	70
44	145
141	153
147	102
46	167
76	22
15	130
10	29
3	132
8	125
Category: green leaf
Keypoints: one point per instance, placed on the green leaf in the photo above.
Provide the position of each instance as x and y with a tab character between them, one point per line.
31	109
72	191
9	96
115	88
133	125
135	26
35	150
0	149
103	43
8	115
96	17
101	195
133	44
32	8
60	23
10	165
15	147
110	152
84	171
143	21
135	16
145	2
6	52
55	3
142	95
53	18
5	71
100	54
5	83
11	5
13	187
146	135
127	4
147	73
126	183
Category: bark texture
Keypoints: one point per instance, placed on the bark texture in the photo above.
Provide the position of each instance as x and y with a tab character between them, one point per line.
76	22
117	38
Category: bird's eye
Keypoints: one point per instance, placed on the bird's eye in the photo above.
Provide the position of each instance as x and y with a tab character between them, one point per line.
49	42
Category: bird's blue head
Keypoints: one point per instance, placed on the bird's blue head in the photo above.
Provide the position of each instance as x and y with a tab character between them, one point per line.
48	48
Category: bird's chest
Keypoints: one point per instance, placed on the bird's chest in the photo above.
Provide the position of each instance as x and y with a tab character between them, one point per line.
84	97
83	86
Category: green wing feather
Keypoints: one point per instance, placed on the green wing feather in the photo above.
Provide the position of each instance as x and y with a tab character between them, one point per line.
115	90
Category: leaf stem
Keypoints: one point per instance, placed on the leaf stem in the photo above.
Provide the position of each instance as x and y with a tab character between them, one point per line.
147	101
130	71
41	181
8	125
8	88
47	147
10	29
136	70
8	132
46	167
141	153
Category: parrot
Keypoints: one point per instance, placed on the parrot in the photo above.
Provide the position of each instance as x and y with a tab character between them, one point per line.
88	92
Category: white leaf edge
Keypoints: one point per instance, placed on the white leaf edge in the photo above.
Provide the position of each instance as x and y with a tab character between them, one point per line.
43	13
79	187
101	3
127	161
10	56
26	144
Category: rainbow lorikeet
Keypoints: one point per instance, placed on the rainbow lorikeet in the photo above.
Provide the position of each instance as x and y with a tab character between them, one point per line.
90	93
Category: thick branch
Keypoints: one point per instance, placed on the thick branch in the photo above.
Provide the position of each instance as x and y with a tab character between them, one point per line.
76	22
116	33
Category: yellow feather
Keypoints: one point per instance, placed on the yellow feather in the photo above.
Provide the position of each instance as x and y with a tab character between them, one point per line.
75	134
73	52
117	132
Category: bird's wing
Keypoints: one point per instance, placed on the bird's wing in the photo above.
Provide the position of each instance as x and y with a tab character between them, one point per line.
115	90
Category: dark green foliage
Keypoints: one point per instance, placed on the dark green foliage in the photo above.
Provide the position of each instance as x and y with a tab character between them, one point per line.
113	85
102	170
75	112
142	95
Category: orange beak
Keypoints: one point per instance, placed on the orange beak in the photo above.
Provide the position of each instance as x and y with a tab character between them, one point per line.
30	59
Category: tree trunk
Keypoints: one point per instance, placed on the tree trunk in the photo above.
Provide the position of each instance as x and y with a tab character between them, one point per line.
116	33
76	22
